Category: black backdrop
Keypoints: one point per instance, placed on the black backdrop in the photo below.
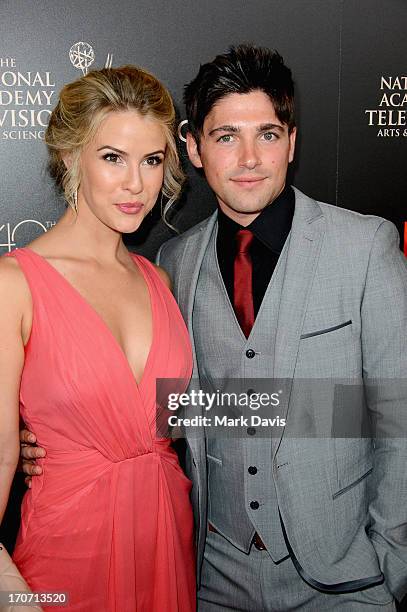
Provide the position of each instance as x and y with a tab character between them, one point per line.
345	54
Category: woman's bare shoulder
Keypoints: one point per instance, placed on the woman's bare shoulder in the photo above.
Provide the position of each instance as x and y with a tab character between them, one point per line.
165	277
13	284
9	269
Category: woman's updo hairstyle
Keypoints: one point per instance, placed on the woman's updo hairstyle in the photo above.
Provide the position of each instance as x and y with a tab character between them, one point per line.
82	106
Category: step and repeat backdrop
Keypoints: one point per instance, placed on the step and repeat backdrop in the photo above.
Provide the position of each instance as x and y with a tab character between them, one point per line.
348	59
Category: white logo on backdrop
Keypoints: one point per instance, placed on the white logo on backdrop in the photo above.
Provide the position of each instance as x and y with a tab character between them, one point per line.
390	114
9	235
82	56
27	96
26	99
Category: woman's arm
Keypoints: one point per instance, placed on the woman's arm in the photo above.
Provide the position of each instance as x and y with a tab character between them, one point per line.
13	292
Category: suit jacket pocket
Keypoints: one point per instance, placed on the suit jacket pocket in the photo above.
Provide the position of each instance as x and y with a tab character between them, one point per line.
352	484
354	461
326	330
332	351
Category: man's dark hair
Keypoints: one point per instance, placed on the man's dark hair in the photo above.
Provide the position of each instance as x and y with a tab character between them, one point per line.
243	69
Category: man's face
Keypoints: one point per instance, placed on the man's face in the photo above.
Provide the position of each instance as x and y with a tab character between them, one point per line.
244	151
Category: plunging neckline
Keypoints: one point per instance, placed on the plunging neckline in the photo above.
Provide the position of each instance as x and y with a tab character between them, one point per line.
102	322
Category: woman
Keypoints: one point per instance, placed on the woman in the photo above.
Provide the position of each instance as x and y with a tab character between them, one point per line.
87	331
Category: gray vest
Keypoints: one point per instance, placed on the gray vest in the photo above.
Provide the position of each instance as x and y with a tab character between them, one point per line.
221	348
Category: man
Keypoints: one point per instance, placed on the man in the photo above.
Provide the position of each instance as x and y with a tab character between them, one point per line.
275	285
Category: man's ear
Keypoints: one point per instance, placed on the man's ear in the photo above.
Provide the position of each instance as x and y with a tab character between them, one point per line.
193	152
292	137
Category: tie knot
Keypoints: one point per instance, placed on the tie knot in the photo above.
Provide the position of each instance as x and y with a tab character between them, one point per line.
244	238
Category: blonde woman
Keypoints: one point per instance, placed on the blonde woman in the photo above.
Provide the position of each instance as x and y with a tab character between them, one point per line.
85	334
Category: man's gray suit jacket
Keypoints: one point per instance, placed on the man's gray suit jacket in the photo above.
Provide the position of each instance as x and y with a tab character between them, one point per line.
343	314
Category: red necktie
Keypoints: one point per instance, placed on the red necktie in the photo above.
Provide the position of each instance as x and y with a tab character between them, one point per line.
243	292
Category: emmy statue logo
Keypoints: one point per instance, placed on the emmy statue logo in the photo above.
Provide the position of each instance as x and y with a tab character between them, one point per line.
82	56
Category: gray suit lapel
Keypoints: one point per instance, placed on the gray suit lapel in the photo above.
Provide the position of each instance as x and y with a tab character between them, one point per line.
305	238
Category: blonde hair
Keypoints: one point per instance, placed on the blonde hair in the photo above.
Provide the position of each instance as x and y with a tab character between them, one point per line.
83	105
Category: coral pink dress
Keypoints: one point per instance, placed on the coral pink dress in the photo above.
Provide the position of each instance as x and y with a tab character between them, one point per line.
109	521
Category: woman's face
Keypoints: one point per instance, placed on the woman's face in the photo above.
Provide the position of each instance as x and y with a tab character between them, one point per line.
122	170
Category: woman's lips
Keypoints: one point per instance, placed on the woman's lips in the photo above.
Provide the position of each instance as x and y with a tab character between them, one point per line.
130	208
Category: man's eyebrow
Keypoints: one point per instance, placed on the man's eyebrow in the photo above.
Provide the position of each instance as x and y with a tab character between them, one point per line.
270	126
235	129
224	128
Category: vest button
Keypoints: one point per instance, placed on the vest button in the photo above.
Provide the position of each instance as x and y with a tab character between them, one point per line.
254	505
250	353
252	470
251	431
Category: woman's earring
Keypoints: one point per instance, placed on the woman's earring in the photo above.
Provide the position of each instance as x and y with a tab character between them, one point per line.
75	201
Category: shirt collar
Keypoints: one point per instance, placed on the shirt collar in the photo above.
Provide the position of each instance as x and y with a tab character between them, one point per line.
272	225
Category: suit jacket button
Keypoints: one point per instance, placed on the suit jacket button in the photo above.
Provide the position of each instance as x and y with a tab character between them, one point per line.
251	431
252	470
250	353
254	505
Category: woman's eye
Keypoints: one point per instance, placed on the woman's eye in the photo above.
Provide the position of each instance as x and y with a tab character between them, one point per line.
154	160
111	157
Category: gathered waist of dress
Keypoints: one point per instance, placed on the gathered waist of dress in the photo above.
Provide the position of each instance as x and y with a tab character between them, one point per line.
80	468
108	454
